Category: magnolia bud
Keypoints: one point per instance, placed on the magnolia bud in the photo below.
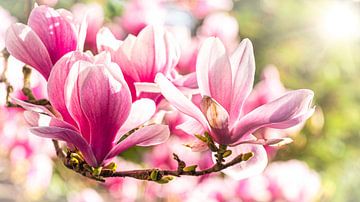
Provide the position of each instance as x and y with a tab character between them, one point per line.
154	175
247	156
227	153
190	168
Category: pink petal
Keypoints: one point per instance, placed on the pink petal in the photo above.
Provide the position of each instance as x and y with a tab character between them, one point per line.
32	107
34	119
273	142
123	57
147	87
81	34
243	71
106	41
108	110
146	136
26	46
198	146
54	30
141	111
179	101
251	167
56	82
191	127
217	118
284	112
213	72
72	96
188	80
69	136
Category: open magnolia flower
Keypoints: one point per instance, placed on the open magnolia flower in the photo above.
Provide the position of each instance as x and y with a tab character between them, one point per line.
225	83
142	57
49	35
94	109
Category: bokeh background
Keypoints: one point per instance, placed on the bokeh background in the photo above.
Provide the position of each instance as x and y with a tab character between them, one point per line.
314	44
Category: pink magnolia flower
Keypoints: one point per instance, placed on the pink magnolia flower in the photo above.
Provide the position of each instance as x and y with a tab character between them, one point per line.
225	83
141	58
49	35
94	101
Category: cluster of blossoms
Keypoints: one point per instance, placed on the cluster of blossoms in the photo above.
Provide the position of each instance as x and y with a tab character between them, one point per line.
157	85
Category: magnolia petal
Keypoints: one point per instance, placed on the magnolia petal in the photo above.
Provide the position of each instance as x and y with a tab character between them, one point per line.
179	101
188	81
147	87
123	58
35	120
31	107
273	142
191	127
25	45
284	112
173	52
108	110
149	54
243	71
198	146
54	30
56	82
106	41
141	111
81	34
69	136
146	136
217	118
213	72
251	167
72	96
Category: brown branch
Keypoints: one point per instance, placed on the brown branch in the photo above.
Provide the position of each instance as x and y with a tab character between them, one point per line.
146	173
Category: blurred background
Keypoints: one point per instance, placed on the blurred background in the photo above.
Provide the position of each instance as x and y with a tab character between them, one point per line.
313	44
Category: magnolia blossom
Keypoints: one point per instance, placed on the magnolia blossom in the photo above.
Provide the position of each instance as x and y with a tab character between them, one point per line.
49	35
94	109
225	83
141	58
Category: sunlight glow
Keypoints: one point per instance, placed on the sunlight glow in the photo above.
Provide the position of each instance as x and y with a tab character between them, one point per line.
340	21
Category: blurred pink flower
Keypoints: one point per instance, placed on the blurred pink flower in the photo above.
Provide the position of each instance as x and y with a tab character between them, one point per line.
266	90
48	36
93	99
291	181
225	83
140	13
6	21
223	26
86	195
202	8
47	2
